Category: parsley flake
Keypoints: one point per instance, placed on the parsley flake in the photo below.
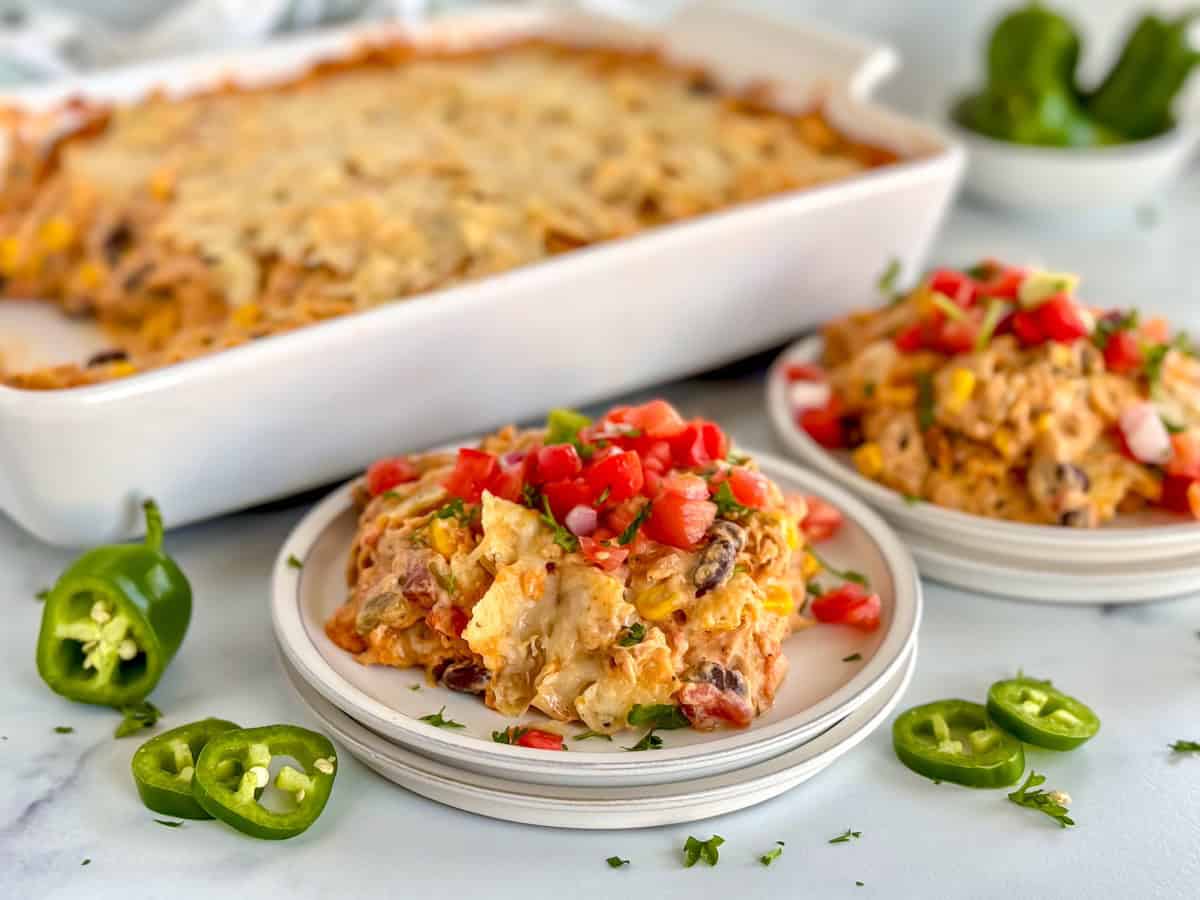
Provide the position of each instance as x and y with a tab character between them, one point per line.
887	278
844	574
649	741
294	561
860	884
912	499
169	823
414	687
853	657
603	498
446	580
771	855
925	400
630	533
615	862
86	862
1052	803
727	504
632	636
585	735
1186	746
437	721
63	729
666	716
562	537
845	837
509	735
1111	324
453	510
136	717
695	850
1153	360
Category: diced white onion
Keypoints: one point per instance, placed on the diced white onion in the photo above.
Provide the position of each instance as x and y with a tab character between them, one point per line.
1145	433
809	394
581	521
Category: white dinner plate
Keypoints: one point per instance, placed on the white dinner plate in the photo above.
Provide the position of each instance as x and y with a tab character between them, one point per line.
613	806
1130	538
822	685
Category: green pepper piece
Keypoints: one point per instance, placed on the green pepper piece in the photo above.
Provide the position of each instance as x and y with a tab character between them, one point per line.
114	620
1039	714
1135	97
233	768
563	426
953	740
1050	118
1033	48
163	768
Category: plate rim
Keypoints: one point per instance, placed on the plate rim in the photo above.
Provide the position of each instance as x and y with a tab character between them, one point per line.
288	625
1159	540
766	777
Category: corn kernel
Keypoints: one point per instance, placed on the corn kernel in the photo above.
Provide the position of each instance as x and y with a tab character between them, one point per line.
162	185
869	459
791	532
10	255
902	396
89	276
246	315
56	234
809	566
779	600
1002	440
122	369
1044	422
657	602
441	535
962	386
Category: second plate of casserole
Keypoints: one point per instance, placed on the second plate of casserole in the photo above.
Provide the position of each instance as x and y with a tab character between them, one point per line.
830	668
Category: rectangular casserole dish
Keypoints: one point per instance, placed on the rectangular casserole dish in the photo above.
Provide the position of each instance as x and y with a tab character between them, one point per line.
267	419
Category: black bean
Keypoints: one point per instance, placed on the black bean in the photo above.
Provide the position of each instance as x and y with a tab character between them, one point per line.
106	356
117	242
466	677
726	540
1076	518
718	676
1072	477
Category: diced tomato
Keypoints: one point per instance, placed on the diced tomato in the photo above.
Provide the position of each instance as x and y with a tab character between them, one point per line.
958	286
679	521
535	738
508	482
385	474
556	462
449	620
1059	320
1181	494
804	372
1122	353
474	471
1004	283
956	337
686	485
607	554
658	418
1185	455
1156	330
822	520
849	604
708	707
1027	329
567	494
619	473
749	488
698	444
824	424
910	339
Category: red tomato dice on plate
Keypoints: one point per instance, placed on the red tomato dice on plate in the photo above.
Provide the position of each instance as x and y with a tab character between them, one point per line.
385	474
851	604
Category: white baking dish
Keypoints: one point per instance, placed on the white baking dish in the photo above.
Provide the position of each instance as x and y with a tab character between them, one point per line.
290	412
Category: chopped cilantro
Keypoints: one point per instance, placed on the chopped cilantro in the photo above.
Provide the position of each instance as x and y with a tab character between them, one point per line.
603	498
562	537
446	579
1052	803
294	561
925	400
859	883
727	505
632	636
814	589
991	318
737	458
453	510
912	499
844	574
414	687
630	533
86	862
438	721
615	862
869	389
649	741
136	717
1107	326
853	657
887	278
585	735
845	837
695	850
509	735
1186	746
773	854
563	427
63	729
169	823
666	716
1152	362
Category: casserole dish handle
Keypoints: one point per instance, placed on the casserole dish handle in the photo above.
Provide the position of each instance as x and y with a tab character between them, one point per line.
803	61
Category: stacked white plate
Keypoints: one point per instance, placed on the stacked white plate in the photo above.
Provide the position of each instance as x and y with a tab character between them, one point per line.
1136	558
841	685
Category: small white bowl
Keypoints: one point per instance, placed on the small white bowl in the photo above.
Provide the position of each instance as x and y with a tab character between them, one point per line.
1064	180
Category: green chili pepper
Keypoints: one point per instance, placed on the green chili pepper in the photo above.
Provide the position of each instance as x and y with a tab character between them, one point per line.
163	768
1032	48
233	769
1135	97
1038	714
953	740
114	620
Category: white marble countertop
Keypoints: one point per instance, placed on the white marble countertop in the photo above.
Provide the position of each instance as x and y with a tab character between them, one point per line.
66	798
